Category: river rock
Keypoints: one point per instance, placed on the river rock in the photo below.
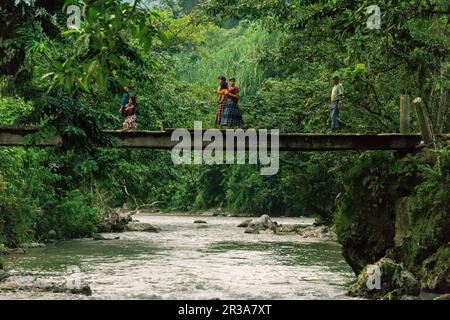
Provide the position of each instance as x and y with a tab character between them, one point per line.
142	227
245	223
321	232
200	222
83	288
385	279
31	283
259	224
98	237
283	229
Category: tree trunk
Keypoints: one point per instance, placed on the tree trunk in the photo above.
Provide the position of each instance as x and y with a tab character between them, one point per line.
443	103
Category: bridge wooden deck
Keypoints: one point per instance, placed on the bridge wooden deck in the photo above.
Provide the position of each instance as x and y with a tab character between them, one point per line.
13	137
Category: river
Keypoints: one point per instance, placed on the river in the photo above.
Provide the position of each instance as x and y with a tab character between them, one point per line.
186	261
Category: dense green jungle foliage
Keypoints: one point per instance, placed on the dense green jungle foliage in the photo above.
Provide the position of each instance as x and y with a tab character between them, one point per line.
283	54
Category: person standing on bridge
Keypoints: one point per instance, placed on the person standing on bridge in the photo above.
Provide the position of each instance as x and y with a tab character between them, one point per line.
125	99
221	92
337	95
232	117
130	115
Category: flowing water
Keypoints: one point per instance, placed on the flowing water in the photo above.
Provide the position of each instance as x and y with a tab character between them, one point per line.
188	261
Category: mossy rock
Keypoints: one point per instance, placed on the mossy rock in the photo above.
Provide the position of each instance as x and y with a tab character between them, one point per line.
430	231
435	271
398	295
365	216
395	282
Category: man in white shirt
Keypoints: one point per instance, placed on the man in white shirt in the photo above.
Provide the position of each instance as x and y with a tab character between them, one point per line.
337	95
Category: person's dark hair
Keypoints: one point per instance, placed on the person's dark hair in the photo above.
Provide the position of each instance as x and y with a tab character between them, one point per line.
336	78
133	99
233	79
222	78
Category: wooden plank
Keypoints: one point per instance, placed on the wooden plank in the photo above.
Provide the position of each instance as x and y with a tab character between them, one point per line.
424	122
405	111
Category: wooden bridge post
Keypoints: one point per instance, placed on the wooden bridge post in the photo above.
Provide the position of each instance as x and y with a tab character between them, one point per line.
424	122
405	112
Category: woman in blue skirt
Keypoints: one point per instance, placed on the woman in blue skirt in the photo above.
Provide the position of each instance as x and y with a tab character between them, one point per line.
232	117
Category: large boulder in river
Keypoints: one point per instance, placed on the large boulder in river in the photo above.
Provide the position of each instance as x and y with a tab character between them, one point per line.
142	227
385	279
259	224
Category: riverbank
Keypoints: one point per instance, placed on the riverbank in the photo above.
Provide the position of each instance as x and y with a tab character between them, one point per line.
393	221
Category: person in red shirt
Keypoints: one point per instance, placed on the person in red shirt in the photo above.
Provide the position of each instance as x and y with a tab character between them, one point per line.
232	115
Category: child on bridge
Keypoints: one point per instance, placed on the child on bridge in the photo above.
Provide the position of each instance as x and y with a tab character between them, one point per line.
130	114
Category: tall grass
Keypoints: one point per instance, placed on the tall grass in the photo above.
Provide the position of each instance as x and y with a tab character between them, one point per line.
235	52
